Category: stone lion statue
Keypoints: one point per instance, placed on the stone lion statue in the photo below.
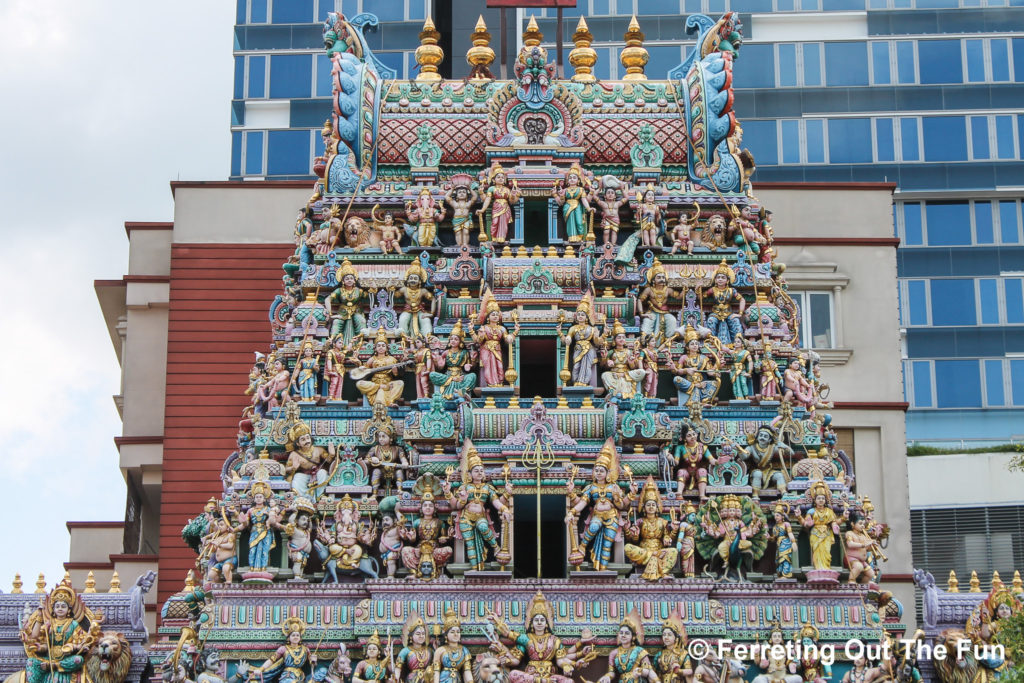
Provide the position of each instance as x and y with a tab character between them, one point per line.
960	668
360	235
109	659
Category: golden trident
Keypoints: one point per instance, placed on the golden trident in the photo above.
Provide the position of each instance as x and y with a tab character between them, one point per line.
538	456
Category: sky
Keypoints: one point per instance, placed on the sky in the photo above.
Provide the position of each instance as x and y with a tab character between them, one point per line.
104	103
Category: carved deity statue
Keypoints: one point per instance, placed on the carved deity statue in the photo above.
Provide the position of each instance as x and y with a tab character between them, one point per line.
653	304
344	304
697	379
608	198
723	321
452	377
383	388
544	652
498	197
474	495
673	663
414	660
425	214
341	545
461	198
654	553
823	525
429	551
625	372
571	195
306	466
452	660
629	662
290	663
489	338
605	500
582	341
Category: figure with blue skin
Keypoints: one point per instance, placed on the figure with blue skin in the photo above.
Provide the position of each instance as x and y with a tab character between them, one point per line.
292	662
606	500
260	520
307	368
474	495
724	323
785	542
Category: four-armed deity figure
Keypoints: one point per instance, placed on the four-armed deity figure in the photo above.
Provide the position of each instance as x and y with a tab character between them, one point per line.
582	342
605	500
489	338
474	495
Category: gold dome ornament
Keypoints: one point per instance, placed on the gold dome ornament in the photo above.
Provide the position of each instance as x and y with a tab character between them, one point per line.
16	585
115	583
532	37
480	56
583	57
429	54
634	56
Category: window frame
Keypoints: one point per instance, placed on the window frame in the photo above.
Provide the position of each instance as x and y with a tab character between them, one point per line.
802	299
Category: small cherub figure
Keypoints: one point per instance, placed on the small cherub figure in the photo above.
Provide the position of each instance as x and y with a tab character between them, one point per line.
681	233
390	235
609	200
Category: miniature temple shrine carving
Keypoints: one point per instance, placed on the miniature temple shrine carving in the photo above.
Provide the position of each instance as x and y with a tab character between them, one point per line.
533	406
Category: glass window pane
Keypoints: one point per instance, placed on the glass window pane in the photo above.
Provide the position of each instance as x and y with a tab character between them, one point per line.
957	384
1014	289
386	11
953	302
760	137
846	64
994	383
1017	381
917	302
239	78
787	64
975	60
909	144
1004	137
989	295
258	11
880	63
1009	226
288	152
922	383
759	71
945	138
949	223
236	153
293	11
254	153
979	137
821	321
912	234
849	141
883	140
905	61
324	82
940	61
791	142
418	9
1000	59
291	75
983	232
812	64
257	77
815	141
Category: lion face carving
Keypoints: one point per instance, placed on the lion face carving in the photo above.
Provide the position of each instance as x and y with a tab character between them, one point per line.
963	668
110	659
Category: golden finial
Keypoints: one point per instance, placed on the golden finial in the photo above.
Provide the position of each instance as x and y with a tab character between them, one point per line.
190	582
1018	585
532	36
67	577
537	253
513	403
521	252
16	584
952	585
480	56
569	252
634	57
975	584
551	252
90	583
429	54
563	403
115	583
41	584
997	582
583	57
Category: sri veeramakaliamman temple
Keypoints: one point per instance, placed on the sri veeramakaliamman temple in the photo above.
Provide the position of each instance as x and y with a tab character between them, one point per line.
533	407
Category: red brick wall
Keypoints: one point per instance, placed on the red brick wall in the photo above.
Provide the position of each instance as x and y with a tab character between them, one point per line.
219	298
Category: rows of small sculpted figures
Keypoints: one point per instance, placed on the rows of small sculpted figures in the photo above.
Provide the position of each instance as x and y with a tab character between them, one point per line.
425	652
477	352
724	536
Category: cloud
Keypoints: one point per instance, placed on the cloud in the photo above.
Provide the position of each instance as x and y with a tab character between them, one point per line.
107	103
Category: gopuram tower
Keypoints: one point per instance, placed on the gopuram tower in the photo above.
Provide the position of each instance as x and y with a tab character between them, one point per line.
533	403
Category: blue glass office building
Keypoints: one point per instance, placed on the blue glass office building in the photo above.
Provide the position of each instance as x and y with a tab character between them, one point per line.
923	93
